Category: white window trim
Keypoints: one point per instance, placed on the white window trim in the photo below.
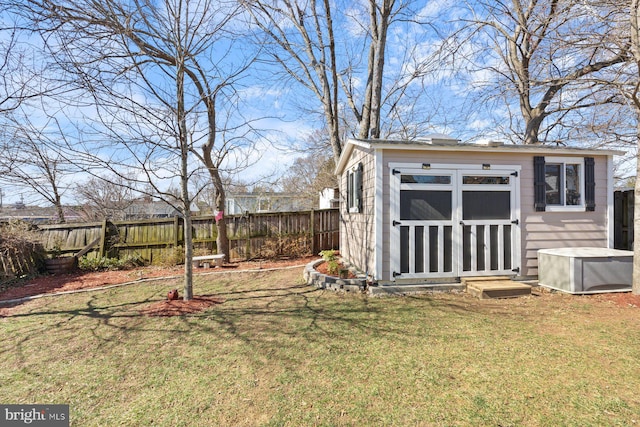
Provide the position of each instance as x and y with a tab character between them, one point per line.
353	198
564	161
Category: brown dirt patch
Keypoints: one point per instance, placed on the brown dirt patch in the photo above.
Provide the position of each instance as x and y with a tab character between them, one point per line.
622	299
79	280
180	307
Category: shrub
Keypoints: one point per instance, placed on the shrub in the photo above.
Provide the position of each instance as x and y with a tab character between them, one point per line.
169	257
331	258
294	245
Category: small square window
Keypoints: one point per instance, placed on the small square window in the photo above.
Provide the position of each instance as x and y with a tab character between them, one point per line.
564	184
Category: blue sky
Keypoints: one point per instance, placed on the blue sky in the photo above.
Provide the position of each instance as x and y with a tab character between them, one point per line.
282	108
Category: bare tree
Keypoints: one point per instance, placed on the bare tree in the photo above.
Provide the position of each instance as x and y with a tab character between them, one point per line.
30	160
18	82
330	48
551	56
308	176
160	75
313	172
104	197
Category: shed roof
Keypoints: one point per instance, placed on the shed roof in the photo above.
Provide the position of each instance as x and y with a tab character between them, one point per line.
449	144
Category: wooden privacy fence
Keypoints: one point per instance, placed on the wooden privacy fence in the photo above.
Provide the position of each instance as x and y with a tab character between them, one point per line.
260	235
268	235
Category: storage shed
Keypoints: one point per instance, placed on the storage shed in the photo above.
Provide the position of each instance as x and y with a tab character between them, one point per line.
436	210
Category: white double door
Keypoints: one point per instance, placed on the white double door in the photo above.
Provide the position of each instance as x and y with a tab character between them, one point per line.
454	220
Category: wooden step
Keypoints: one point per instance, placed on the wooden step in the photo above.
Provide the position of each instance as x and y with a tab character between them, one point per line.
496	288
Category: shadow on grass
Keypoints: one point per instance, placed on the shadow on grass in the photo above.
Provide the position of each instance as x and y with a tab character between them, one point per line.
260	317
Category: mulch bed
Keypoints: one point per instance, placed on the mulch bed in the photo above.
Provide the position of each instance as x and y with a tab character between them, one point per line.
180	307
323	268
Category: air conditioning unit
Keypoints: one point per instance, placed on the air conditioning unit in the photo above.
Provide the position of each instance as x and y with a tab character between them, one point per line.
585	270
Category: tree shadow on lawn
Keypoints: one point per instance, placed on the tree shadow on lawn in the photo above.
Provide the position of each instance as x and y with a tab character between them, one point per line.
319	314
256	317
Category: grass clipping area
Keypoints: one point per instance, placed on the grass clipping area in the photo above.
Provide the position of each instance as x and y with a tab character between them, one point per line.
274	351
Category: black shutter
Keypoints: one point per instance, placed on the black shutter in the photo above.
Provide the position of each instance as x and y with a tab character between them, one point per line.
589	184
358	187
350	195
539	184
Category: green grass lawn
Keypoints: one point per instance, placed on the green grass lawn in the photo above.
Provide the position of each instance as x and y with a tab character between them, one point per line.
280	353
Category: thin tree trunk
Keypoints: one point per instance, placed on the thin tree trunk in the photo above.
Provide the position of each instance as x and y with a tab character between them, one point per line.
636	225
378	65
634	16
183	140
365	122
222	241
59	208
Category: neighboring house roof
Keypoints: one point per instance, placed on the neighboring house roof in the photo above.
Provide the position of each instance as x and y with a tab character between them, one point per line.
439	142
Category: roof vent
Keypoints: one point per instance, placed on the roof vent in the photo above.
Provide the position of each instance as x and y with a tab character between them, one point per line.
438	139
490	143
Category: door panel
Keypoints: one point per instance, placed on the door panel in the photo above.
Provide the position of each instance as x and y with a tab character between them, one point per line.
427	205
480	205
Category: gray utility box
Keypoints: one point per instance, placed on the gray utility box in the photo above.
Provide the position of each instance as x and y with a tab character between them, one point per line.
585	270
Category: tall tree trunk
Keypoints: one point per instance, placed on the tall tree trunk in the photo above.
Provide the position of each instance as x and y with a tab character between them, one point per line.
222	240
634	16
378	65
379	21
636	219
532	128
333	120
365	120
188	252
183	140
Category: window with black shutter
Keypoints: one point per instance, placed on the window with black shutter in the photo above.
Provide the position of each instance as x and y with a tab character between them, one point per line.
564	184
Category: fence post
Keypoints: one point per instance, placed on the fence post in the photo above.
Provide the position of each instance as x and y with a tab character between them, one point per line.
103	239
176	232
312	229
247	254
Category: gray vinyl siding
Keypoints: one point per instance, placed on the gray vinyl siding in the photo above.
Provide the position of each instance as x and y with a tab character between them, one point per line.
357	230
546	230
538	229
